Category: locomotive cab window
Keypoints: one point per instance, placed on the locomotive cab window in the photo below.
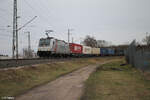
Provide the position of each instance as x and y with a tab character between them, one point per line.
44	42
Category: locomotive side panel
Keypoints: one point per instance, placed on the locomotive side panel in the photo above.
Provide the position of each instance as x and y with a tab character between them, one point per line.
61	47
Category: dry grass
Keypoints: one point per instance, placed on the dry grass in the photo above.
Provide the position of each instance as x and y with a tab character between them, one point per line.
114	82
14	82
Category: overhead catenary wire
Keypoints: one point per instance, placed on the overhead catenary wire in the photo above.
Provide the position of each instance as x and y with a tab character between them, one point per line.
5	35
41	13
5	38
46	20
27	23
4	19
44	9
3	15
43	16
5	11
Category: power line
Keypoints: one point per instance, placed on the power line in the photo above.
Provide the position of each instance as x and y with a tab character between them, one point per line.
41	6
69	34
26	23
5	11
8	31
36	12
4	19
44	6
6	35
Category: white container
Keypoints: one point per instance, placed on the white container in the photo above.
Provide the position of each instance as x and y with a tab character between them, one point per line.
95	51
87	50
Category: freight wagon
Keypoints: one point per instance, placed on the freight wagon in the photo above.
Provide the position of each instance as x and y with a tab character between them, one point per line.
111	51
103	51
87	50
95	51
51	47
119	52
75	49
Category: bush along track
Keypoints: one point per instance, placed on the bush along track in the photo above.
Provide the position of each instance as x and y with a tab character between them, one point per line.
117	81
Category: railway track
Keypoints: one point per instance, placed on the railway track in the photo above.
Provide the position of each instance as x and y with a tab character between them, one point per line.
8	63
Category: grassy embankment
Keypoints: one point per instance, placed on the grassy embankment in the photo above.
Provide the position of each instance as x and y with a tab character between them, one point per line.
16	81
114	82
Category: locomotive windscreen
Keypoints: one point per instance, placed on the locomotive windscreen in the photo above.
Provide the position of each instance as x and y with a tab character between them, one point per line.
44	42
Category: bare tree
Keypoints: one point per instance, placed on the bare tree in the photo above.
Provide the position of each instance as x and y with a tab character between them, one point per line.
147	39
102	43
90	41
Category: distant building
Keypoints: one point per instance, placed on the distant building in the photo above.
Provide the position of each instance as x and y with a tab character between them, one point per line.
4	56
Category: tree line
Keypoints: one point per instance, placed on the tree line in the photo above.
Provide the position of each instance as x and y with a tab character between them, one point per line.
92	42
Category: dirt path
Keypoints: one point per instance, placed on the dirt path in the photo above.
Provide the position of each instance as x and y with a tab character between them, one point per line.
68	87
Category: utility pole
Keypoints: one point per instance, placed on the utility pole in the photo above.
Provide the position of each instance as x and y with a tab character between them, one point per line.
69	34
14	28
146	33
29	42
16	31
72	39
29	45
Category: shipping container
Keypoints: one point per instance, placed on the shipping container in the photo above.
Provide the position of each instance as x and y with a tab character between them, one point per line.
119	52
103	51
95	51
87	50
75	48
111	51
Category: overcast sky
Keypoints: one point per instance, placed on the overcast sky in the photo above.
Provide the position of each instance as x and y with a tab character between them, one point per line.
117	21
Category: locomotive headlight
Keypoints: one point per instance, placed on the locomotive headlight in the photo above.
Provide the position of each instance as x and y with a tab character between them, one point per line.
49	49
39	49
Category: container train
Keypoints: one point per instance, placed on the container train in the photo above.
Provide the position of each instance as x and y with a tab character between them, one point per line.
51	47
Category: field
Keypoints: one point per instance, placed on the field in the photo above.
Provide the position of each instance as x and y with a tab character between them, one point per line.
14	82
114	81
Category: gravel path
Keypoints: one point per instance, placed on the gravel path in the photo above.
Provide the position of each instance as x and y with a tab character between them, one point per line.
68	87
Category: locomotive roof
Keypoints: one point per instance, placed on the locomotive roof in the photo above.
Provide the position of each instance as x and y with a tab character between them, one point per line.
53	38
